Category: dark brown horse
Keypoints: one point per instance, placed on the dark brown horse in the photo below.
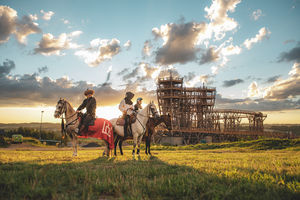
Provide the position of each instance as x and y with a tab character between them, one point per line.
151	124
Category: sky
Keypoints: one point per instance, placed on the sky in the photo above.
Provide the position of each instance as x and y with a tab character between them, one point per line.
249	50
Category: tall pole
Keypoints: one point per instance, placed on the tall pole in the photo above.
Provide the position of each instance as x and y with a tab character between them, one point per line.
41	124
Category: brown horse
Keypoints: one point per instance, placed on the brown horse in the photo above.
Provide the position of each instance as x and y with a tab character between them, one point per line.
151	124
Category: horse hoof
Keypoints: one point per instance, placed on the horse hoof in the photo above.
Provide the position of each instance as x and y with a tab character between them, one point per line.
74	155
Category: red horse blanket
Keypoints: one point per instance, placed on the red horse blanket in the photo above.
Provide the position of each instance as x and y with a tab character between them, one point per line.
102	129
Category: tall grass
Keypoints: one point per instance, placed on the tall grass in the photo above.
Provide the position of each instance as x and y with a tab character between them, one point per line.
230	173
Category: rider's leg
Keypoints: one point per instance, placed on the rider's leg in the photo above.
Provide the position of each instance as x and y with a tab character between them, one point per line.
126	126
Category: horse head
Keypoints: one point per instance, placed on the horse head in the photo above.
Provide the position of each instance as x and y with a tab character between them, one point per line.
153	110
60	108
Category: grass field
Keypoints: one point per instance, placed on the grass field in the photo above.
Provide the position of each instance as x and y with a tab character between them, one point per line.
220	171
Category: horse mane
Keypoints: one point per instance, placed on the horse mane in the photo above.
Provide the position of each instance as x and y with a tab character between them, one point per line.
70	105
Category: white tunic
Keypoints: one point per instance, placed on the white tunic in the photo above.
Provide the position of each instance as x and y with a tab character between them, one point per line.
125	108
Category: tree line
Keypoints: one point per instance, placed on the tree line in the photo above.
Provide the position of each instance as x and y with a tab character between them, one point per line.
32	132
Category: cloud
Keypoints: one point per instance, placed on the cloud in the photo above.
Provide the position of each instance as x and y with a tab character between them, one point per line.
217	14
33	90
179	42
47	15
49	45
211	55
263	33
8	17
127	45
65	21
25	27
43	69
147	48
10	24
192	82
287	88
230	83
273	79
292	55
255	104
6	67
253	90
99	51
257	14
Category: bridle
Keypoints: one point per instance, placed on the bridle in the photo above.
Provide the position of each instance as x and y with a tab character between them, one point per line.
149	109
61	112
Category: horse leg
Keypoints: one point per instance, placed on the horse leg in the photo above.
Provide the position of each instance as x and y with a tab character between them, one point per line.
139	144
106	150
74	141
149	144
146	139
120	146
116	143
134	145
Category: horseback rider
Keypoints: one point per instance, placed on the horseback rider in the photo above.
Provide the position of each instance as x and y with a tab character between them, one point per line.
90	104
126	107
138	104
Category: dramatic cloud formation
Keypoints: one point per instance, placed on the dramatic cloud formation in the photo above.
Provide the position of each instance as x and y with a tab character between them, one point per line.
99	51
9	24
292	55
231	83
287	88
217	14
32	90
179	42
253	90
257	14
47	15
263	33
53	46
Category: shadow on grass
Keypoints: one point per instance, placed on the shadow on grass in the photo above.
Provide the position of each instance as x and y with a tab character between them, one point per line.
106	178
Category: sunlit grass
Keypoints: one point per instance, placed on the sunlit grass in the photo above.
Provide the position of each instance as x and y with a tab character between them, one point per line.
230	173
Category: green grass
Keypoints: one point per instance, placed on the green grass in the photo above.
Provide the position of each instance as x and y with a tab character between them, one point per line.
261	144
216	173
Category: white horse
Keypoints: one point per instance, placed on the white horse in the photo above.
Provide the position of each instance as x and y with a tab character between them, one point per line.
72	122
138	127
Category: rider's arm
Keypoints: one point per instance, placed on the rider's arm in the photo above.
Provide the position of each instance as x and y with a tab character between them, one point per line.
83	105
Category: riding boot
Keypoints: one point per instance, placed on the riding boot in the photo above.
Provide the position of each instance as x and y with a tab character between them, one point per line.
125	129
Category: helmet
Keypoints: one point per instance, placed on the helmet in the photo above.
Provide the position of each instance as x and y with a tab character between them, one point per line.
89	91
139	99
129	95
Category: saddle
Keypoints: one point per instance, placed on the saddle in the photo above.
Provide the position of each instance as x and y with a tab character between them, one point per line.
121	120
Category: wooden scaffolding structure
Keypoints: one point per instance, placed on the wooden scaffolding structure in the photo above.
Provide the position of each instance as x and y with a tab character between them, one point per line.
193	114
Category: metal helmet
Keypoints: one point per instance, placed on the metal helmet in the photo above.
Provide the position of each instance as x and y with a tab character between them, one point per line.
139	99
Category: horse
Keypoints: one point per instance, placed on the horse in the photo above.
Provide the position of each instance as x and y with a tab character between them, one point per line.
72	122
150	126
138	128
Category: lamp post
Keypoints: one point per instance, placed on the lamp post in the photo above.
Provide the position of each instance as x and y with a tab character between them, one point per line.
41	124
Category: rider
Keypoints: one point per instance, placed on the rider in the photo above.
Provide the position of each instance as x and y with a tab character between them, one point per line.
90	104
138	104
126	108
